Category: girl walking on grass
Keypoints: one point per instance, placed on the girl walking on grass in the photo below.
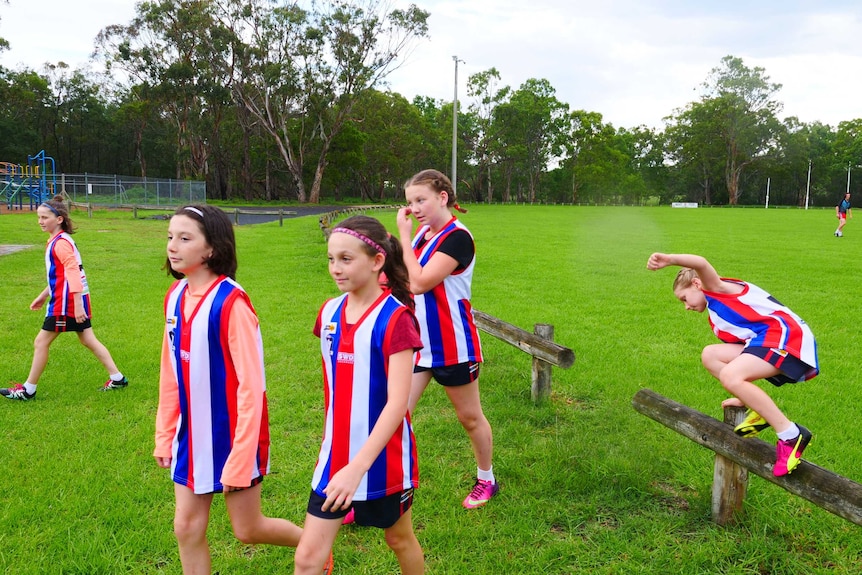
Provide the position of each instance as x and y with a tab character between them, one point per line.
212	426
68	298
440	260
367	461
762	339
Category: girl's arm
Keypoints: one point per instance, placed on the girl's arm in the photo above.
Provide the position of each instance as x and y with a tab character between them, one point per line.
169	408
248	363
709	278
343	485
72	270
438	268
40	299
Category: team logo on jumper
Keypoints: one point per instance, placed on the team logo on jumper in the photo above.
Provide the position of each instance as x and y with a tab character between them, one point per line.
328	330
345	357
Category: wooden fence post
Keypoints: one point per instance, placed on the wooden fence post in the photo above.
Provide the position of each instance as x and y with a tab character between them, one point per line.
729	479
541	387
824	488
236	216
280	217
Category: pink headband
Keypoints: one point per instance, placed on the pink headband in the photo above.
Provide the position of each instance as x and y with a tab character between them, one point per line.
361	237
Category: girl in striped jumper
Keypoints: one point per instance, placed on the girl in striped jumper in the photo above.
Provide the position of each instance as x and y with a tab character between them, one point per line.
68	303
212	425
440	257
761	339
367	459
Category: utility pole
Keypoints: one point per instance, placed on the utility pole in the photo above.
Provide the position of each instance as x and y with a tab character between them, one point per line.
455	129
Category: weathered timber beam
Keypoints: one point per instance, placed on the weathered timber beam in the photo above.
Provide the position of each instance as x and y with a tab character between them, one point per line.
536	346
820	486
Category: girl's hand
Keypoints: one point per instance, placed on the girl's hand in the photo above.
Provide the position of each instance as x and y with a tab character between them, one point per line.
341	488
404	222
732	402
163	462
39	301
658	261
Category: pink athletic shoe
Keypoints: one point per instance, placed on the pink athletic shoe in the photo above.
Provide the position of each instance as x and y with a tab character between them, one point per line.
788	453
482	492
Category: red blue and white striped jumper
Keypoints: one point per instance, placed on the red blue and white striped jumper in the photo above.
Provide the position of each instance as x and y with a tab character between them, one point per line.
216	410
355	381
63	281
448	331
757	319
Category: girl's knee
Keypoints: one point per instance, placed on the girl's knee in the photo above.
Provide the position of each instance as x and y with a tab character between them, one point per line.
189	528
398	541
307	559
245	533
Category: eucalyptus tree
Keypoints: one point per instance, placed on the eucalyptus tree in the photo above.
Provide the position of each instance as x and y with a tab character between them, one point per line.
181	55
483	141
24	97
386	141
302	67
744	115
695	150
532	126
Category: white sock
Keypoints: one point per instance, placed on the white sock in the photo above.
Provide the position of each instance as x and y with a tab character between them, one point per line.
790	433
29	387
487	475
117	376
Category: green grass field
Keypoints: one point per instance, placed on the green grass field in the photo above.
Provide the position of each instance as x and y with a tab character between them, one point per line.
588	484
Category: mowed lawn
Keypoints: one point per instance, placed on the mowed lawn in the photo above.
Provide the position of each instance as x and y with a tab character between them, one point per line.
588	484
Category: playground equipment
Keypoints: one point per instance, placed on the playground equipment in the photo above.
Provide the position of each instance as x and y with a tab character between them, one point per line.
34	183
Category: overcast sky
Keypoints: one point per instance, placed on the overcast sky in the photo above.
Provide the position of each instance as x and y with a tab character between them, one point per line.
633	61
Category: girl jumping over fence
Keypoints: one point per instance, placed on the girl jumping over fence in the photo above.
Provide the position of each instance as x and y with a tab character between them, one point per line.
367	461
762	339
440	258
68	298
212	425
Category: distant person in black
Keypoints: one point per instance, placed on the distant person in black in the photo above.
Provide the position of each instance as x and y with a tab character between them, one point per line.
842	210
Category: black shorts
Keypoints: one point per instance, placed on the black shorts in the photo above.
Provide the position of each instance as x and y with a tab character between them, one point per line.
65	323
382	513
793	369
453	375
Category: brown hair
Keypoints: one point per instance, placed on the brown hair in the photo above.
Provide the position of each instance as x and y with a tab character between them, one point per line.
684	278
439	182
218	231
58	206
397	278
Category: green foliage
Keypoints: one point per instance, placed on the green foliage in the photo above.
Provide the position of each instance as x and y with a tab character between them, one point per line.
589	485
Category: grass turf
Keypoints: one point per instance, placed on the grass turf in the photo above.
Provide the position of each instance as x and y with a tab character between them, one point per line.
589	485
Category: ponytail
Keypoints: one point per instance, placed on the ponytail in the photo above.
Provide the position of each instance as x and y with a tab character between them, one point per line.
397	277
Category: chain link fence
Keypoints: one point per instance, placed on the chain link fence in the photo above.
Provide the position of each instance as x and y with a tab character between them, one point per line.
116	191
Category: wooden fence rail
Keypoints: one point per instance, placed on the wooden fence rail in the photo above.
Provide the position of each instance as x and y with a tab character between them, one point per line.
820	486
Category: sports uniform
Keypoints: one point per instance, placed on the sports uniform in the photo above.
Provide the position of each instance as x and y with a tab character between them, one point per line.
755	318
212	418
449	334
355	360
65	277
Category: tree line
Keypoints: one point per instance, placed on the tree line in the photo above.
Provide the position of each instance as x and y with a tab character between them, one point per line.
274	101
